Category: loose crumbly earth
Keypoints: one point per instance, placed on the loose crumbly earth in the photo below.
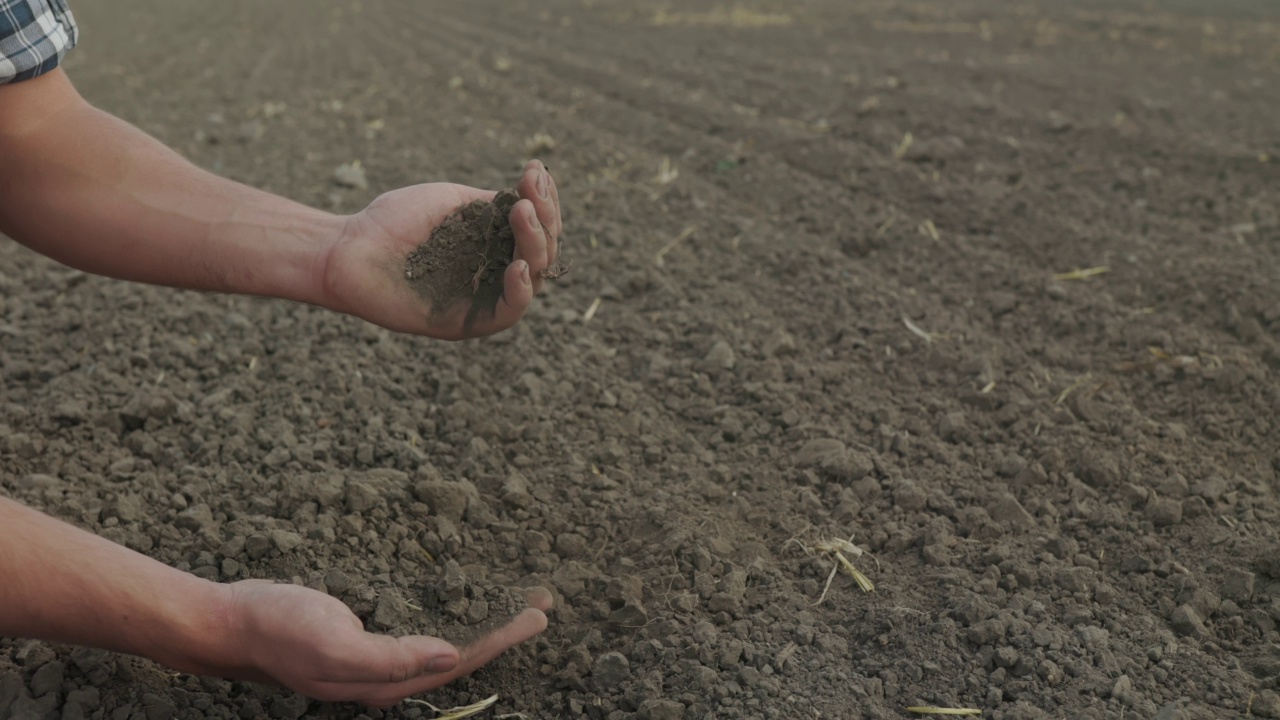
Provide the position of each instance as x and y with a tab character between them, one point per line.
464	259
1070	484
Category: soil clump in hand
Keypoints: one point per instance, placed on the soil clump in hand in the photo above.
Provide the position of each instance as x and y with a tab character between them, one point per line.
465	257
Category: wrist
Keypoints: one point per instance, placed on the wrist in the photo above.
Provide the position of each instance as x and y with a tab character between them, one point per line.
196	631
285	249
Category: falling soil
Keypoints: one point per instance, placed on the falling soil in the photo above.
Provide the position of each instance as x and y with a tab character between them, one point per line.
465	258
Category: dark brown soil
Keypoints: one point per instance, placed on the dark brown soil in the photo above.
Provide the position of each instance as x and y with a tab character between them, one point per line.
1070	484
465	257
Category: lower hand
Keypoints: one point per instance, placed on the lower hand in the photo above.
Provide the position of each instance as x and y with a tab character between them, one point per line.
312	643
363	272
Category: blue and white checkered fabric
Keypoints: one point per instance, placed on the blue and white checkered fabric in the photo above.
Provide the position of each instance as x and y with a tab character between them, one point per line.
34	35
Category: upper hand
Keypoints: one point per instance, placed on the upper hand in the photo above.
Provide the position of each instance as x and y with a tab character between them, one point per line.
312	643
363	272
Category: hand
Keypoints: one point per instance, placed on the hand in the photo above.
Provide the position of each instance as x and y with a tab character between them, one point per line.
312	643
363	272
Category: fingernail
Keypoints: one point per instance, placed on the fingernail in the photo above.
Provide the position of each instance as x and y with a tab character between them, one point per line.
524	272
542	186
444	663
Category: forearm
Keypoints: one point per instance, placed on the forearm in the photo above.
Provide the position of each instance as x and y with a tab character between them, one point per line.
96	193
60	583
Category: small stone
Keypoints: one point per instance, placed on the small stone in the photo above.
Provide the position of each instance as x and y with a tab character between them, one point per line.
1238	585
631	615
1175	485
327	489
1267	704
285	541
1094	637
780	344
1134	495
277	458
158	707
724	602
1122	685
362	497
1186	621
195	518
88	698
338	582
251	708
721	356
351	175
290	707
1098	468
910	497
70	412
816	452
515	491
661	710
257	546
1074	580
1210	488
92	664
610	670
446	499
477	611
1005	657
1009	511
47	679
1010	465
453	584
10	688
128	508
1194	507
571	546
954	427
1163	512
1050	672
391	612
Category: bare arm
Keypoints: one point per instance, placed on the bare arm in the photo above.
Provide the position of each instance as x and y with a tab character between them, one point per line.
66	585
94	192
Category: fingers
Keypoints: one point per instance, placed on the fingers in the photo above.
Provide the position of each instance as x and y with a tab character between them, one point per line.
517	296
531	240
537	186
524	626
384	659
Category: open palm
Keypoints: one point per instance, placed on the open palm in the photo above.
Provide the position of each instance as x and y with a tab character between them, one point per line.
312	643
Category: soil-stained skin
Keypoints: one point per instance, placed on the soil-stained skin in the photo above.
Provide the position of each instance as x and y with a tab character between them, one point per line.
1069	484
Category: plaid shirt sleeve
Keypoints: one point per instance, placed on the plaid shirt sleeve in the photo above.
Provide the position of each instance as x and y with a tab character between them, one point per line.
34	35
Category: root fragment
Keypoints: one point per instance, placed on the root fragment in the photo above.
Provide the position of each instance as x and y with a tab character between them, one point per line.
459	712
838	548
